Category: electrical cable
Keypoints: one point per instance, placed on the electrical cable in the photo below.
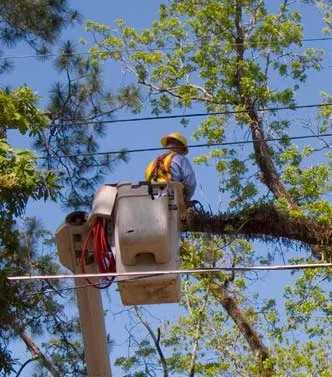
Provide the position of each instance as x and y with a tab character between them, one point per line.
64	289
95	285
147	274
85	286
192	115
241	142
249	45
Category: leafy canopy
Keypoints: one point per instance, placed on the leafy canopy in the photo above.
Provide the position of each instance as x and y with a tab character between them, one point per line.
238	57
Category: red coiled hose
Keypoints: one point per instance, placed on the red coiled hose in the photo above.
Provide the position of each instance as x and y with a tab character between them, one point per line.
103	255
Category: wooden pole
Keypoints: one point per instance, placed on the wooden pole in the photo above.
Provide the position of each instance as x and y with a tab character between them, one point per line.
70	237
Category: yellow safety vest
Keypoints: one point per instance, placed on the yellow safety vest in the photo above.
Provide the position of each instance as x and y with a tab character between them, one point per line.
159	170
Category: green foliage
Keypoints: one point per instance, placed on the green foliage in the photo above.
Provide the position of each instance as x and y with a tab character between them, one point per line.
299	339
18	110
37	23
20	179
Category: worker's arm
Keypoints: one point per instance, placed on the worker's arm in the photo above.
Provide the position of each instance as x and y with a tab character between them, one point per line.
182	171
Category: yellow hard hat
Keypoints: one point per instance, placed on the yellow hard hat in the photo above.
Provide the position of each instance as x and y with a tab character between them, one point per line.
177	136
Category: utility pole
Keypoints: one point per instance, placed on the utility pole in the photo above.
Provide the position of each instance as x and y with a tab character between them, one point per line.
70	237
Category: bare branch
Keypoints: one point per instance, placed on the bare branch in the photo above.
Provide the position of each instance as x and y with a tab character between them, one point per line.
155	341
173	92
34	358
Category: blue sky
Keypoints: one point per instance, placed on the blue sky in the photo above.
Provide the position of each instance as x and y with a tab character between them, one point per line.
37	75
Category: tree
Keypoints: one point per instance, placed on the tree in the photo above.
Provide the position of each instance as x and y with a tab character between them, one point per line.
21	180
78	96
27	312
38	24
78	105
30	311
240	58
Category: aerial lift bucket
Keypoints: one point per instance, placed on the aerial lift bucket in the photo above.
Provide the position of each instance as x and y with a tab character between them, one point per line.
146	238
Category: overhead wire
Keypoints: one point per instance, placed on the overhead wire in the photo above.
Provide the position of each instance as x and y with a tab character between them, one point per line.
184	116
147	274
55	290
151	49
240	142
191	115
89	285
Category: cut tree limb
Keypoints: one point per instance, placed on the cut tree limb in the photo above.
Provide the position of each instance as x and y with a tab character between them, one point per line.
263	222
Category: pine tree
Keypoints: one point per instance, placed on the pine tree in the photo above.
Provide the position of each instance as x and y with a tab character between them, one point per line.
77	108
78	96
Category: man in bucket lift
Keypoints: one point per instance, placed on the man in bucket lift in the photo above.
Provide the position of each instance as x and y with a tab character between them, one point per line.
173	165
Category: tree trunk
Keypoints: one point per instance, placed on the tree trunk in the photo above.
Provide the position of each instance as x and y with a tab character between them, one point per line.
254	341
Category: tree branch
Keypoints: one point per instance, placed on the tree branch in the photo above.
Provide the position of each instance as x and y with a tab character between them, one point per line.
263	222
35	351
34	358
155	341
251	336
173	92
198	333
269	174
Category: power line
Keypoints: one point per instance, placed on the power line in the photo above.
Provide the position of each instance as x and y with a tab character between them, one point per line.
177	272
192	115
55	290
126	120
241	142
249	44
88	285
